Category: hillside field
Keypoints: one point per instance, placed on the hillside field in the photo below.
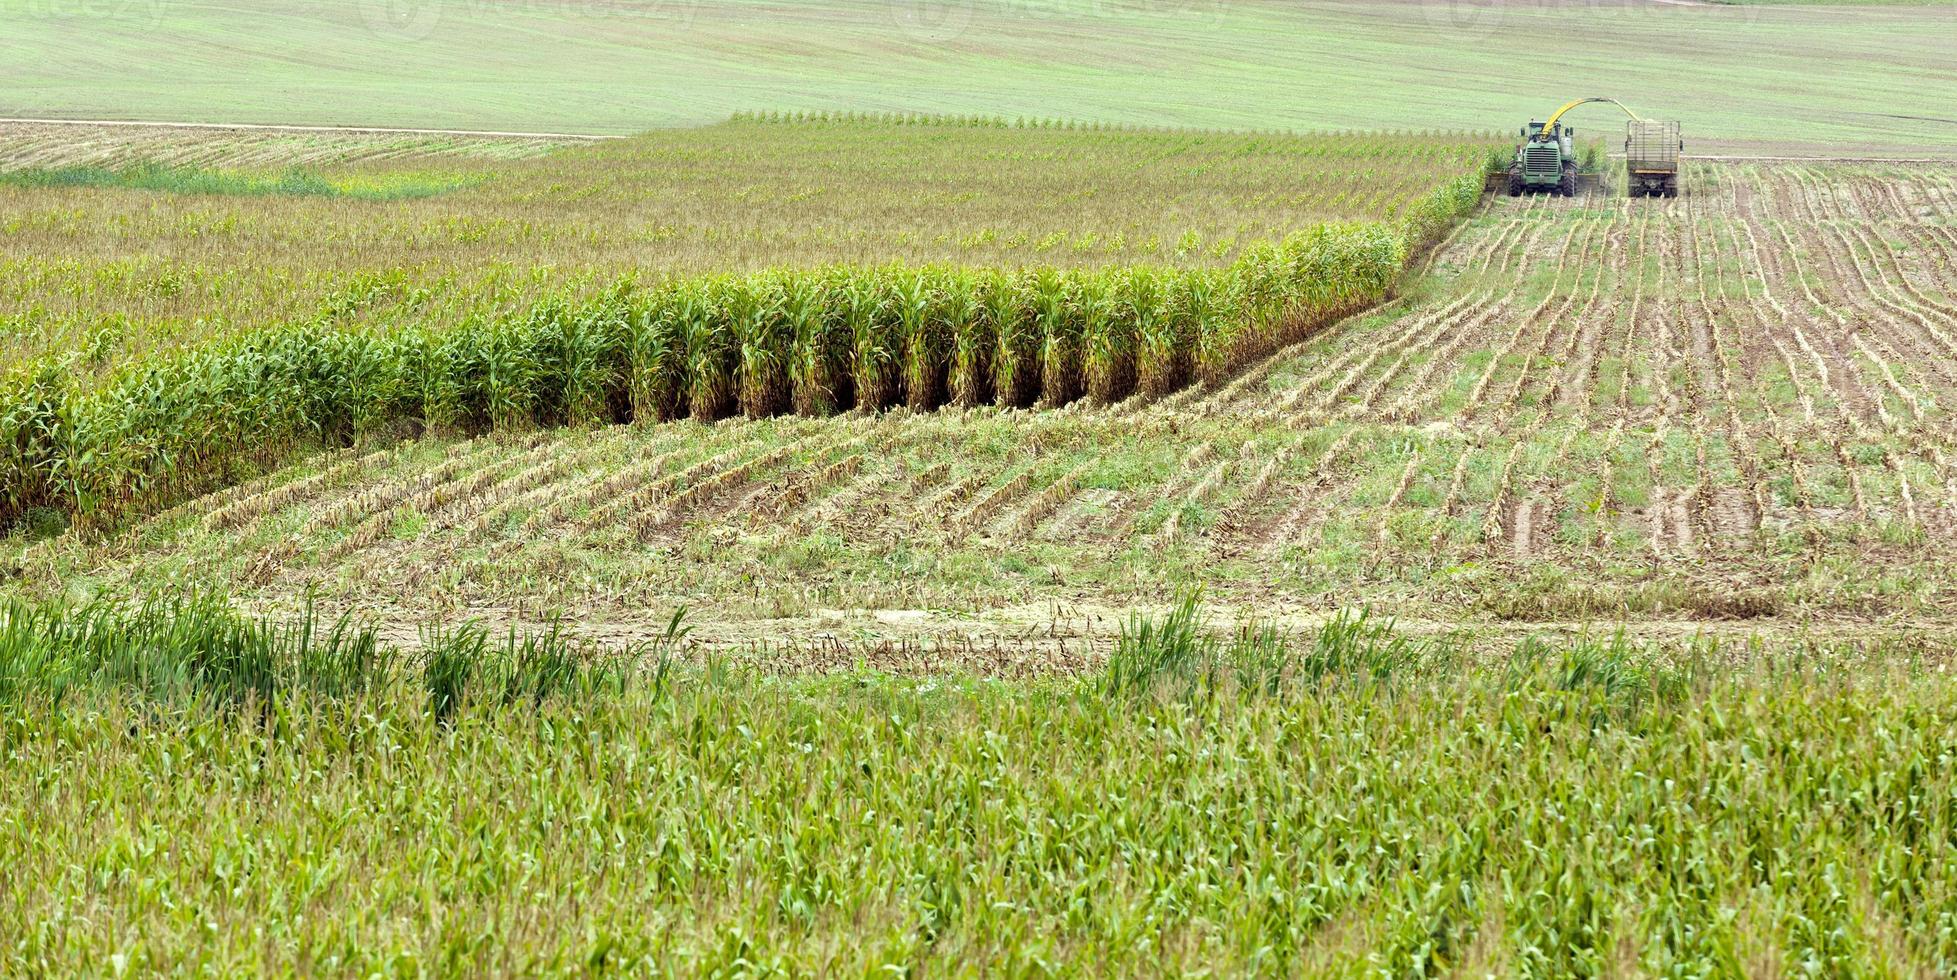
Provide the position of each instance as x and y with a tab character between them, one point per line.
1743	78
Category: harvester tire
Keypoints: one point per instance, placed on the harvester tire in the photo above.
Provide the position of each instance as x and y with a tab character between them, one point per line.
1515	180
1568	186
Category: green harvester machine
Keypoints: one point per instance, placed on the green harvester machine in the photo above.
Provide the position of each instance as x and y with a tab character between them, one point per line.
1545	162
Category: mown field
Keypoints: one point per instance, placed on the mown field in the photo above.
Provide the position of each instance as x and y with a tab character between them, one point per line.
1742	77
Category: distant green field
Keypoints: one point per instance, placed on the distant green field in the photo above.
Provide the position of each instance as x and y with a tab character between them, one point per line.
1832	3
1743	77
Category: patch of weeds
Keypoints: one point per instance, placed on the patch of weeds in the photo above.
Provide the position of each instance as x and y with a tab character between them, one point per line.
41	523
810	552
1867	453
409	526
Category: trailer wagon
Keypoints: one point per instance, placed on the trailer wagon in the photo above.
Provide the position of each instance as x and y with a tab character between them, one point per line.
1651	152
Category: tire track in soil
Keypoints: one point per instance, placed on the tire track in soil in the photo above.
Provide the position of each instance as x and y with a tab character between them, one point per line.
1494	300
1665	530
1292	527
1739	433
1524	325
1187	472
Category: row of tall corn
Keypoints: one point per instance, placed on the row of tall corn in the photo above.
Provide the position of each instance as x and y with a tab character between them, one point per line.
808	341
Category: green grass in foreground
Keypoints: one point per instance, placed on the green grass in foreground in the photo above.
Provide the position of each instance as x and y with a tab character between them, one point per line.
185	791
293	182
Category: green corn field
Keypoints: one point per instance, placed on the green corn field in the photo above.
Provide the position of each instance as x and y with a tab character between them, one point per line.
261	797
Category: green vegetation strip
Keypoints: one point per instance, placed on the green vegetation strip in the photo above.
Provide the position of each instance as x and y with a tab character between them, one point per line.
186	790
296	182
815	342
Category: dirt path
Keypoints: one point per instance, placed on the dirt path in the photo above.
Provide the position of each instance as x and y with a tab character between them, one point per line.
1076	635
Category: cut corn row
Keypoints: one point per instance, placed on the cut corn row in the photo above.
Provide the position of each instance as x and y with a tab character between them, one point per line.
537	486
982	510
1491	525
1237	514
248	508
651	520
1049	500
456	484
1289	528
1171	529
387	495
637	494
797	491
207	507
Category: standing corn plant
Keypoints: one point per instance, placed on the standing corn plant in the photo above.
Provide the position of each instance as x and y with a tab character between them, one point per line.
921	298
875	341
428	383
33	427
510	374
1163	309
974	338
1010	305
580	361
1109	329
765	337
1218	321
707	314
819	326
1056	298
1265	296
463	357
355	375
657	357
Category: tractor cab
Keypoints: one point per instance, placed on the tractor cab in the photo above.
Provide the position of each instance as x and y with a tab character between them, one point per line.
1564	136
